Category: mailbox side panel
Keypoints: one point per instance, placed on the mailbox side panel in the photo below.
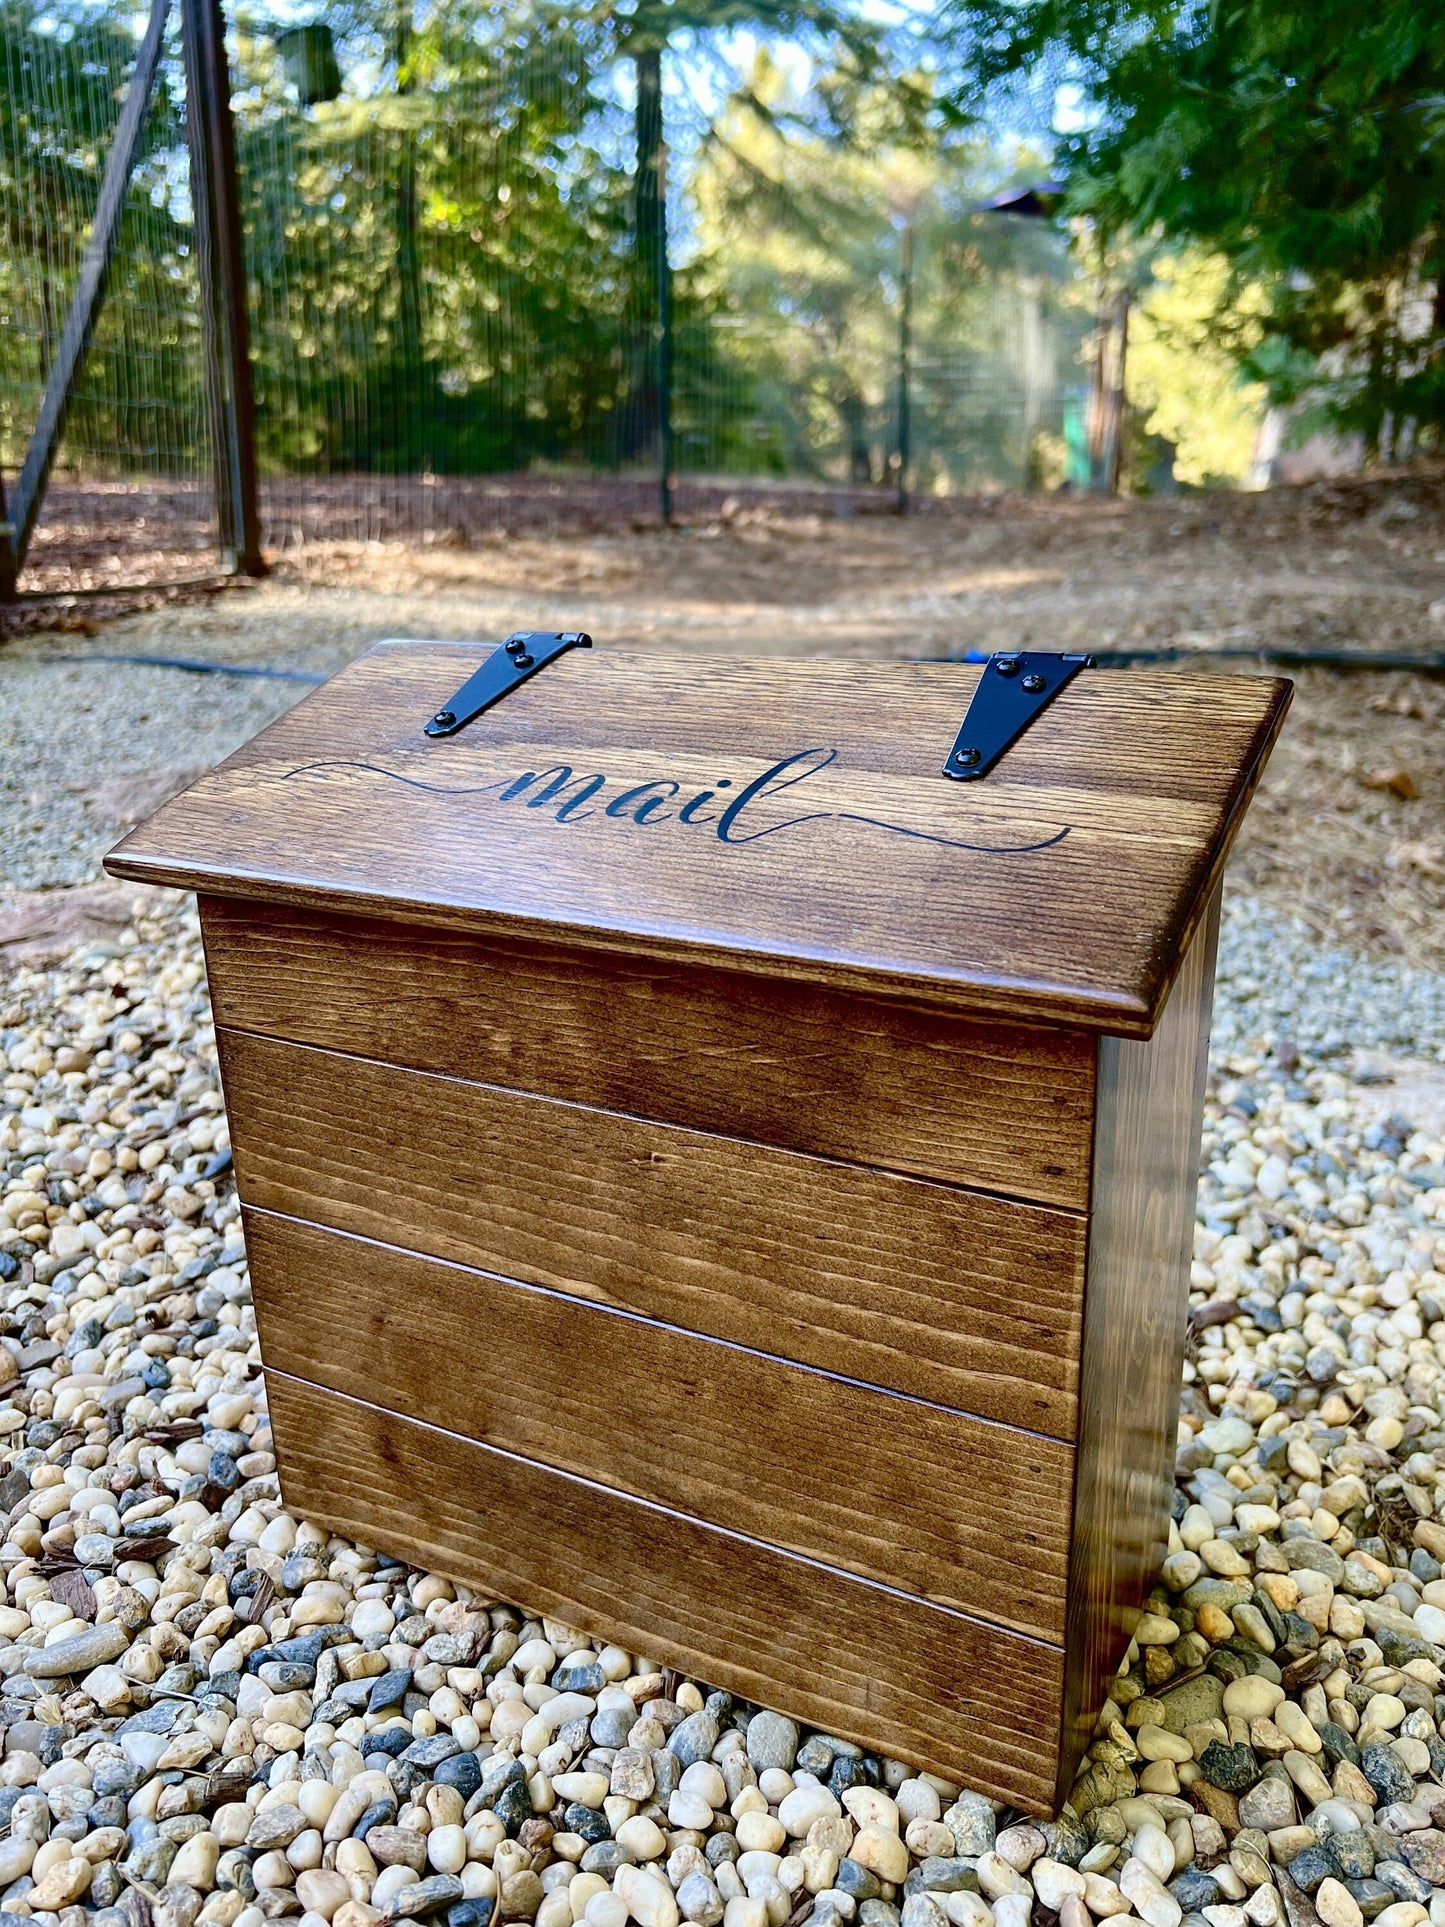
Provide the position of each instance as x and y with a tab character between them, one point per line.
1149	1108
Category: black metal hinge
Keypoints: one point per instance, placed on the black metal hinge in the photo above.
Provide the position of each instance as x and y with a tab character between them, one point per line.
519	657
1013	689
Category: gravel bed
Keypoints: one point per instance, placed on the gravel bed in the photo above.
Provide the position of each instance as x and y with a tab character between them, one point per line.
212	1712
1279	983
88	748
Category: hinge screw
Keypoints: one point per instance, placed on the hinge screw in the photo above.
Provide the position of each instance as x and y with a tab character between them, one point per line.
966	758
443	719
1033	684
1008	666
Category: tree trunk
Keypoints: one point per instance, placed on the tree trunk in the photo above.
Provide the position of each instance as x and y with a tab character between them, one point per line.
1119	398
853	413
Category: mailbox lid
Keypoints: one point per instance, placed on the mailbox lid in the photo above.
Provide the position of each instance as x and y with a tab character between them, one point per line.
787	817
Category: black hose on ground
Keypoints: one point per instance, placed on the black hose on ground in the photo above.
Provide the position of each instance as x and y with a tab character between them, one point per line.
1427	660
1430	661
197	666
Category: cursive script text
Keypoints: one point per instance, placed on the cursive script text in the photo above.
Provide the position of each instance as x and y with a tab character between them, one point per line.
735	815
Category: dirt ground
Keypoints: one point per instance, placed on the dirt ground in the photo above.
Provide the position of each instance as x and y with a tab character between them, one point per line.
1350	828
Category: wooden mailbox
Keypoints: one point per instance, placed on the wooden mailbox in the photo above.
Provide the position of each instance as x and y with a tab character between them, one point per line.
712	1178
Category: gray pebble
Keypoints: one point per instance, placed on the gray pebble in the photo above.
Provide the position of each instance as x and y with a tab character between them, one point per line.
694	1739
1310	1867
1269	1805
152	1862
1403	1882
605	1857
1354	1855
427	1754
970	1820
855	1879
772	1742
388	1690
610	1727
941	1876
176	1907
1194	1890
96	1646
438	1890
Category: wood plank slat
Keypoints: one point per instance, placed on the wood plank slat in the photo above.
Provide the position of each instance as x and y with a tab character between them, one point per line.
950	1693
1146	1167
785	818
950	1295
1000	1106
948	1507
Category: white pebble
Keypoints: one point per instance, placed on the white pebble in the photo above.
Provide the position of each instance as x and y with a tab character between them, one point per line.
1153	1846
389	1883
446	1849
1053	1882
805	1805
1150	1899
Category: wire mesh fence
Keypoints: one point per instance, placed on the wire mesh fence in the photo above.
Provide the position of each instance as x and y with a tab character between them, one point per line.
497	254
130	496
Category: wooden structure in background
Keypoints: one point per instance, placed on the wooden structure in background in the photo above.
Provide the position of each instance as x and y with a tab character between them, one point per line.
712	1178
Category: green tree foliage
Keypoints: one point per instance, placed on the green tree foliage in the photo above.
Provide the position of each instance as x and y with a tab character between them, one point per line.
444	247
1303	140
1183	382
520	232
537	308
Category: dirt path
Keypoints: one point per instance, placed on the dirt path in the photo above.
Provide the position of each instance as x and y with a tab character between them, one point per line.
1343	567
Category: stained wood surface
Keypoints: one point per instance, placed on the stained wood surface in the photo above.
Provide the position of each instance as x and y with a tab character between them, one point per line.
1001	1106
1146	1168
951	1295
917	1682
788	818
948	1507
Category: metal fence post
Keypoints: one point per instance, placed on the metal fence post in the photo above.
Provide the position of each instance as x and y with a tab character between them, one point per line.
905	328
656	278
664	356
221	271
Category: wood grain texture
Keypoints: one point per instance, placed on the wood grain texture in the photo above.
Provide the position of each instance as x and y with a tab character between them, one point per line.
945	1506
1000	1106
786	818
1146	1168
947	1294
944	1691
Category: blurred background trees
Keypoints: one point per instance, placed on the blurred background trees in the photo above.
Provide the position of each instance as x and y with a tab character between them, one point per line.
1302	142
456	214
